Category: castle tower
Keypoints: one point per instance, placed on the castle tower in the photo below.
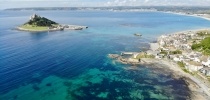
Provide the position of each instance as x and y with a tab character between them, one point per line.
33	16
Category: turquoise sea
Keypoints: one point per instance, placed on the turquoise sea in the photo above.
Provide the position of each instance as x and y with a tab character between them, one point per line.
73	65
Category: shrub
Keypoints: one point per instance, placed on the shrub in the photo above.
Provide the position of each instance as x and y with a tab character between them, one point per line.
176	52
204	46
164	52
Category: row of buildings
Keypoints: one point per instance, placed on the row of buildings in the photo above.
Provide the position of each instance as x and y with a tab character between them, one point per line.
193	60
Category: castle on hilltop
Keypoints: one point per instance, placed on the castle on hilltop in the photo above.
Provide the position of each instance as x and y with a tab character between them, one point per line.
34	16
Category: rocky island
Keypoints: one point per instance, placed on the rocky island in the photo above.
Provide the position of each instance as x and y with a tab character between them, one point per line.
42	24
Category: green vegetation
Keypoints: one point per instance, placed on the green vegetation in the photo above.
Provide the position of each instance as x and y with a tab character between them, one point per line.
40	21
175	52
32	27
144	55
171	52
203	33
163	52
203	46
208	78
37	23
182	66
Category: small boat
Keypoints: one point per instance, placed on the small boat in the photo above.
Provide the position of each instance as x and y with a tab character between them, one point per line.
137	34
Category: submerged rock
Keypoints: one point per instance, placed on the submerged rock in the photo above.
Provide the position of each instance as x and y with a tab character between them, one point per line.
49	84
137	34
36	88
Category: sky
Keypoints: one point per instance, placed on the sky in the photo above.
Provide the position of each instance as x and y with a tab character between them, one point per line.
98	3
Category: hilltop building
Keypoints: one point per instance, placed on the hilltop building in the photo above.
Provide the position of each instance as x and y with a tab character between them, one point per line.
34	16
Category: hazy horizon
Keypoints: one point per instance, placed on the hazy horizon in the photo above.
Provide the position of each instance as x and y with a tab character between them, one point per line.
5	4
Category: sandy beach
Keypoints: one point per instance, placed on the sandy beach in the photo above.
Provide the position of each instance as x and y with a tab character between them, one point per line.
203	16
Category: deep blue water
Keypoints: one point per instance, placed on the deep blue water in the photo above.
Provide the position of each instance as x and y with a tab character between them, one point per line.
34	65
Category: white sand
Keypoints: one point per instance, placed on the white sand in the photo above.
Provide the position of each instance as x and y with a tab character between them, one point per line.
206	17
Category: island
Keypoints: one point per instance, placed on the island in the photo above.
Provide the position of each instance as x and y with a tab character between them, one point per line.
37	23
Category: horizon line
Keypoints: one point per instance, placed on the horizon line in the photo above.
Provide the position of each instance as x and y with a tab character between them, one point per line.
111	6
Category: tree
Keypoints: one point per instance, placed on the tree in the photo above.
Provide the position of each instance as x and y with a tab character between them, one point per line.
41	21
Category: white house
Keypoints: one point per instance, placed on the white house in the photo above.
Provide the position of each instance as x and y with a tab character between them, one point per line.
165	49
162	43
206	71
181	58
176	59
135	55
192	68
207	63
197	59
159	56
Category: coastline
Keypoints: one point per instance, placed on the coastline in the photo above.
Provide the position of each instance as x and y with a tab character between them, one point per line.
30	30
193	15
185	31
105	69
70	27
202	87
198	88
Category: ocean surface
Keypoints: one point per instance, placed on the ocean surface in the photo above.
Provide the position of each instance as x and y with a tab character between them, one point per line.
73	65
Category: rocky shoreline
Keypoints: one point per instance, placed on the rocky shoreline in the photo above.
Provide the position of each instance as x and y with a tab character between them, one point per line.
169	68
199	90
120	59
30	30
61	28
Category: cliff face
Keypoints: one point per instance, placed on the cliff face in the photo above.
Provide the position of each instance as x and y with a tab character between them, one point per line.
37	20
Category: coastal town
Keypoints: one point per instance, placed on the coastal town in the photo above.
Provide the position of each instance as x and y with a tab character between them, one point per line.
177	51
178	47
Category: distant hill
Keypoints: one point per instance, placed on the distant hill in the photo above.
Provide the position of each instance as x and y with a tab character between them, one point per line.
178	9
36	20
157	8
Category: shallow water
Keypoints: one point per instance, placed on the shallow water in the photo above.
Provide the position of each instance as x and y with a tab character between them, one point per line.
70	65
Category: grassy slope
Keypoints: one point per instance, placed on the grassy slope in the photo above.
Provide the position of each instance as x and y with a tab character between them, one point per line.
203	46
34	28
